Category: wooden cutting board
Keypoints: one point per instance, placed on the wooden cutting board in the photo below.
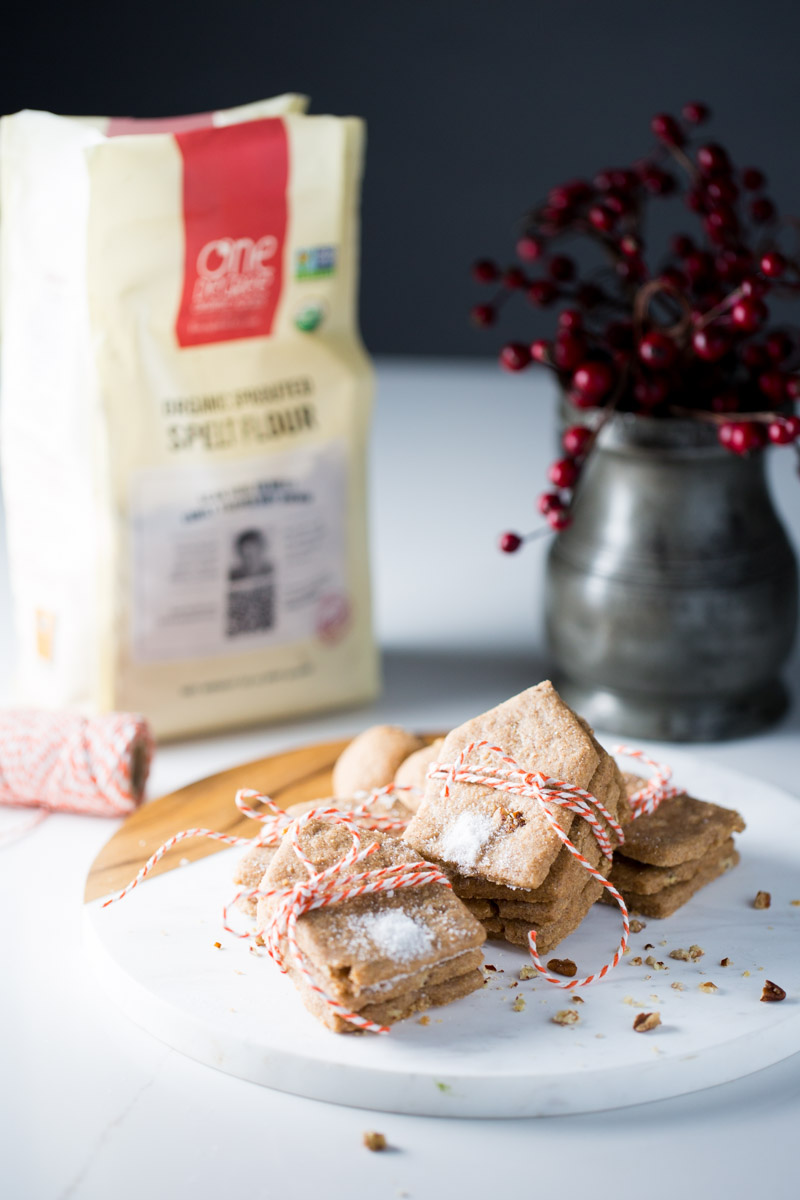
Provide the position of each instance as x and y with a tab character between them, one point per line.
295	775
288	778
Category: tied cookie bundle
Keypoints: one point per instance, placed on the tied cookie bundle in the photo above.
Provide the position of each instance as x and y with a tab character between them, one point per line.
376	901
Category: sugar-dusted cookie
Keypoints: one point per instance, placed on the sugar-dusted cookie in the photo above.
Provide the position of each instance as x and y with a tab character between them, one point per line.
405	949
372	759
482	832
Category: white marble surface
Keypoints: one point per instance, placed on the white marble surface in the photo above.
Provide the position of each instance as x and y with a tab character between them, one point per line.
92	1107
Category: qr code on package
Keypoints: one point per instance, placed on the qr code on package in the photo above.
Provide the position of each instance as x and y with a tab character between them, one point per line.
251	610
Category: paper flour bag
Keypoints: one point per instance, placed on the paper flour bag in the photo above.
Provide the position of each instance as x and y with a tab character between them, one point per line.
185	405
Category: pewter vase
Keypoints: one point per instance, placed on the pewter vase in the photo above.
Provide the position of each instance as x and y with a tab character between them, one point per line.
671	601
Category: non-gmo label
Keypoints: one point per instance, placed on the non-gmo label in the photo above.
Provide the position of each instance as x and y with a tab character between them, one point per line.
239	556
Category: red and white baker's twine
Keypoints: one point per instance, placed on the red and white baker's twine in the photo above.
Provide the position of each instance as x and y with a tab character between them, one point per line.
320	888
656	789
504	774
65	762
334	885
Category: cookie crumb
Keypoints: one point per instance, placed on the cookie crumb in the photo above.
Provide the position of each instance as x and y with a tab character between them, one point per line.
637	926
707	987
562	966
576	999
771	991
637	961
651	962
679	987
745	974
796	903
649	946
527	972
762	900
374	1140
489	967
217	945
643	1022
519	1004
565	1016
681	954
726	962
424	1020
696	952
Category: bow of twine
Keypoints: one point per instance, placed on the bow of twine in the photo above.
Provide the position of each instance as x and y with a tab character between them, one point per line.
500	772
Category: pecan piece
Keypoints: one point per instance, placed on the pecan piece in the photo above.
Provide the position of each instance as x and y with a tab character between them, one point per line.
771	991
562	966
762	900
643	1022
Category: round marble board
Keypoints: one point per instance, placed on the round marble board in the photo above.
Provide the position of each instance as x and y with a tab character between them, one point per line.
488	1055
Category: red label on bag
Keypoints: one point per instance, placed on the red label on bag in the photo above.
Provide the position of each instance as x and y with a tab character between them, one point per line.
235	214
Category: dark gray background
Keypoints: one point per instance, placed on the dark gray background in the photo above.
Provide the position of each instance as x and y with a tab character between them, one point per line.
474	109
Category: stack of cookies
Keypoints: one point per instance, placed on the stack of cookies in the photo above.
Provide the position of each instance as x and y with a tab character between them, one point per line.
670	854
384	955
504	860
249	870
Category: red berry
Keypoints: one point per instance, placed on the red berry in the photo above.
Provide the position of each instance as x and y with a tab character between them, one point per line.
540	351
740	437
793	387
696	200
682	245
749	314
515	356
722	220
591	382
559	520
483	315
570	318
753	179
762	210
514	278
779	345
562	268
632	269
601	218
549	502
630	246
619	202
773	264
696	112
667	130
698	265
710	344
529	248
713	158
569	350
652	391
542	292
722	190
485	271
563	472
784	430
657	350
509	542
576	440
773	385
658	182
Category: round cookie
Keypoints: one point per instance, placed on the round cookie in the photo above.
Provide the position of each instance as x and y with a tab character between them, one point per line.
371	759
413	771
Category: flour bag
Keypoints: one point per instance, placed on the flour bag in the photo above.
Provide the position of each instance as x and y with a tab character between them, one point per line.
184	414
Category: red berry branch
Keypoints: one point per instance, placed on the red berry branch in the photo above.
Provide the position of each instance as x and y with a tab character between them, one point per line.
687	338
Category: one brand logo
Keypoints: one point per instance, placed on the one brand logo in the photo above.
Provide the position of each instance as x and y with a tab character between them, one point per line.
234	206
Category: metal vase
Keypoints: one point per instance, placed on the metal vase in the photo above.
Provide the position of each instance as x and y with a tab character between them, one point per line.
671	601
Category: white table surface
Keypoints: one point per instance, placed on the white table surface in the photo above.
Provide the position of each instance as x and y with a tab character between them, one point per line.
93	1108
